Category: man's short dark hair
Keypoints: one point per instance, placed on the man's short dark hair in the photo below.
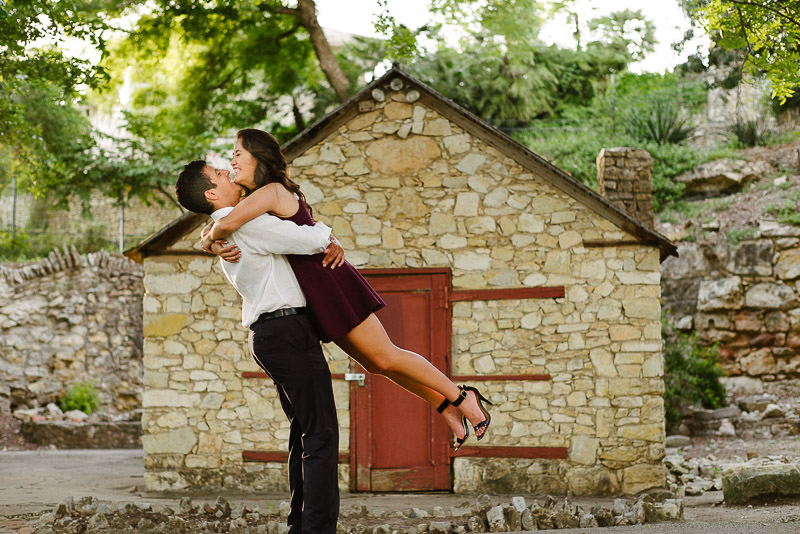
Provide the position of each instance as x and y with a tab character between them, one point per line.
190	188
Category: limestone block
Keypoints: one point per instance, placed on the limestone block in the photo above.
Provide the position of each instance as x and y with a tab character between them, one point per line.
306	160
788	265
398	110
603	362
557	262
653	411
721	294
330	153
401	156
583	450
434	257
392	238
392	182
643	476
365	224
642	308
593	270
649	432
363	120
743	483
594	480
472	261
653	366
622	332
569	239
757	363
768	295
437	127
164	325
386	127
450	241
467	204
457	144
481	183
355	167
180	441
471	163
376	202
638	278
481	225
496	198
531	224
751	258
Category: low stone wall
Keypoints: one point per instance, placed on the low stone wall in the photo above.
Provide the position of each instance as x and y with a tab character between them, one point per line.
71	318
746	297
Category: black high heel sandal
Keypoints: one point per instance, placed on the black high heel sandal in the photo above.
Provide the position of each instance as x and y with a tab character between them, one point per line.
481	399
443	406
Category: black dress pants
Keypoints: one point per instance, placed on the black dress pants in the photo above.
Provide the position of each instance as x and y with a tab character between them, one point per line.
288	349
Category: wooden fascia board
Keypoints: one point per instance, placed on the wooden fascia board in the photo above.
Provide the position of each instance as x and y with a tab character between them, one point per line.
166	237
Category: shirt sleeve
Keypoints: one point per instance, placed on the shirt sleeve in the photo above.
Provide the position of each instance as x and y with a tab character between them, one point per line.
267	234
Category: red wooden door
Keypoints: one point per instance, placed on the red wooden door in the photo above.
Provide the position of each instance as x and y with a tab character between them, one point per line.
401	443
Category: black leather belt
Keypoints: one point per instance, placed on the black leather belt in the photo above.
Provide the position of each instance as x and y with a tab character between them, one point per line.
283	312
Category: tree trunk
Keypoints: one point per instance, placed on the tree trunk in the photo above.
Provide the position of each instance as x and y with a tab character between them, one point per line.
299	122
307	13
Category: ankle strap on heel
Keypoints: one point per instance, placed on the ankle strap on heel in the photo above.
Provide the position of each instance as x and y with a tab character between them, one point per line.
443	406
460	399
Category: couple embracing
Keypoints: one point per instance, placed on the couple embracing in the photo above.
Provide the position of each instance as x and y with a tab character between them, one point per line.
297	290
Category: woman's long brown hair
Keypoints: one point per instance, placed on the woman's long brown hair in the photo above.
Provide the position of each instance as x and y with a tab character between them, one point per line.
271	164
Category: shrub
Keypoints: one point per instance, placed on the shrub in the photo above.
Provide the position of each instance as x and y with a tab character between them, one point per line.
659	121
81	396
691	373
749	132
787	212
736	236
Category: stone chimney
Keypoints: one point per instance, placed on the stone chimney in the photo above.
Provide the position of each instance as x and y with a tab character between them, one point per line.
625	178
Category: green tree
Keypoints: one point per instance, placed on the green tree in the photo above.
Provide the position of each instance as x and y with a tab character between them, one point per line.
626	32
767	30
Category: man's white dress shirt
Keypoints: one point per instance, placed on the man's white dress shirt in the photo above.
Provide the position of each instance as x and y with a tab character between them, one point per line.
263	276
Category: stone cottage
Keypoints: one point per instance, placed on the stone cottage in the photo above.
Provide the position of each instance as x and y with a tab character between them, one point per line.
503	270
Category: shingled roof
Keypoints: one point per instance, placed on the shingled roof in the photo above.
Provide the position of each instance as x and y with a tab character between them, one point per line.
472	124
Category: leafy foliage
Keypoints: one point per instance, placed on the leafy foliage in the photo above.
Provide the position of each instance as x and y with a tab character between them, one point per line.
81	396
788	211
691	373
767	30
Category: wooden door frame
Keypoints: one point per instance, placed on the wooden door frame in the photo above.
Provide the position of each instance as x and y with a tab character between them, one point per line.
440	333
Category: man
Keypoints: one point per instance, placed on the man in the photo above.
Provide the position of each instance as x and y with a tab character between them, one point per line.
281	340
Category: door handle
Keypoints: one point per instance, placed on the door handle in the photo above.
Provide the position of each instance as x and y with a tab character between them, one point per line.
355	377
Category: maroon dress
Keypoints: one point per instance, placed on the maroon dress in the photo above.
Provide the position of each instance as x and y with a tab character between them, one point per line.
339	299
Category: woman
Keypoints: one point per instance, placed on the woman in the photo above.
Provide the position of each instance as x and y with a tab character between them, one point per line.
341	301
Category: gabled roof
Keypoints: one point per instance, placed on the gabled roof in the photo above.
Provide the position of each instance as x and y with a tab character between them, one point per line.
464	119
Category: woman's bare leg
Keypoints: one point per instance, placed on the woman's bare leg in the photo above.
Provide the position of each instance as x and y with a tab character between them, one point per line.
370	346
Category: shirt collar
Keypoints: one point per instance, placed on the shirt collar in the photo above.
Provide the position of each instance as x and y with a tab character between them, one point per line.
222	212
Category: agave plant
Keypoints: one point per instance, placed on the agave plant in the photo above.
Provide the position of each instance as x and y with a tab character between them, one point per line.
749	132
659	120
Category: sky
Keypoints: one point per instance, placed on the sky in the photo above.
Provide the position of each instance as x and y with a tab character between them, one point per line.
358	16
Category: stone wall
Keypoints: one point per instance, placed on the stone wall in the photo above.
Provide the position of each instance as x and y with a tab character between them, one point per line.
199	413
625	177
745	297
402	186
141	219
71	318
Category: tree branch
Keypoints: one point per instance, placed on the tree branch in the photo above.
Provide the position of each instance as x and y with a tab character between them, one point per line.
281	9
160	189
288	32
755	4
741	68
